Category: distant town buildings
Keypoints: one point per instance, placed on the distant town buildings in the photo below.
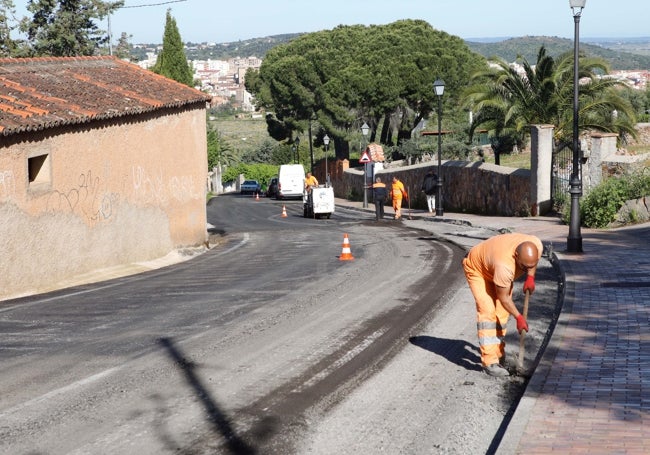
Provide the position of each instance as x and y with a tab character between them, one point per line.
222	79
634	78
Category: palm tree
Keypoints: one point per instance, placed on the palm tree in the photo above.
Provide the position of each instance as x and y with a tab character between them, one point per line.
507	101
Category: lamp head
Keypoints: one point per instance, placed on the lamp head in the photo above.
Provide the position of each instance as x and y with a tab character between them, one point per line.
576	6
297	141
439	87
364	129
326	140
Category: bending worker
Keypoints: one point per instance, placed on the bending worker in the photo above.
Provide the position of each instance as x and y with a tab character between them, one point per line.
491	267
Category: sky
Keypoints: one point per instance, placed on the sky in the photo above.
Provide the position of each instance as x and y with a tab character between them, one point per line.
220	22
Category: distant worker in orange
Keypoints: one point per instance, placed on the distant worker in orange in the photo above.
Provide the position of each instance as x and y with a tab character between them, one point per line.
310	181
397	192
491	267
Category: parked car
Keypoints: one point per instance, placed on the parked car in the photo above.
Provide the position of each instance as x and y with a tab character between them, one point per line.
250	186
272	190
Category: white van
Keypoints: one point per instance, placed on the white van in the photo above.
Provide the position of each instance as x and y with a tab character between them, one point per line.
291	181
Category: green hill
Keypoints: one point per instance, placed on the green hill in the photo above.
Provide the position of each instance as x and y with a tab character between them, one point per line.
622	54
528	46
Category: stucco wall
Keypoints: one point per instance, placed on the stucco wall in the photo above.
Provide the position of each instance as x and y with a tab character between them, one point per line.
108	194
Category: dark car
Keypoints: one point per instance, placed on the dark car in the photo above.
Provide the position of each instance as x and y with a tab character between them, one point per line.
250	186
272	190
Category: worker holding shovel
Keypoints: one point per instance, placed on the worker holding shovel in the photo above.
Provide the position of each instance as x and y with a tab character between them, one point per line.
491	267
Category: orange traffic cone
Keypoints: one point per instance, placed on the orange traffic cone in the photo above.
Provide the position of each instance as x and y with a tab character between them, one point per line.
284	211
257	196
346	254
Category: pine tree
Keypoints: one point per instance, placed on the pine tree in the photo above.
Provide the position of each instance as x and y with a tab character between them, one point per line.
66	28
123	48
171	61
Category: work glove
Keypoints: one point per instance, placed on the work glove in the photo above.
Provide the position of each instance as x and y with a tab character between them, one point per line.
529	284
521	323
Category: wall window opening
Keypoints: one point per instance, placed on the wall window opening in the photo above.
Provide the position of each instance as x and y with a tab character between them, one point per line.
39	170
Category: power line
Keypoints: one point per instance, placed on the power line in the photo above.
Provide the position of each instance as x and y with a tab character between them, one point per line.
152	4
110	35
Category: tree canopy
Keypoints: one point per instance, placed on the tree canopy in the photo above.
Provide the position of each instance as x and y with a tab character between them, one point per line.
507	101
65	28
379	74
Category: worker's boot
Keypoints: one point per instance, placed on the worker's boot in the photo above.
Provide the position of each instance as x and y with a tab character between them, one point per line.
496	370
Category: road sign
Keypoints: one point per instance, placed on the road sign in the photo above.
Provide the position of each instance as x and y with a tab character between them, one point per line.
365	158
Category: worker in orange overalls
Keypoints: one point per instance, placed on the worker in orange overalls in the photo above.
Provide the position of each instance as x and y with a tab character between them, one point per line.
397	192
491	268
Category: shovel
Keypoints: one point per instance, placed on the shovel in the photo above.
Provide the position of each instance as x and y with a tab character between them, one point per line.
408	198
522	336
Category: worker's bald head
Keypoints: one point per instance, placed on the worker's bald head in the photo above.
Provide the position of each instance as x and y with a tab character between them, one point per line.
527	255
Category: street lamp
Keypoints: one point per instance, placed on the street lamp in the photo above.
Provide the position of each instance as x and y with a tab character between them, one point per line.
297	141
311	148
439	89
574	240
364	131
326	141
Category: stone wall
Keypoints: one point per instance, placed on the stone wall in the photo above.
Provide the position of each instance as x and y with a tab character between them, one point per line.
471	187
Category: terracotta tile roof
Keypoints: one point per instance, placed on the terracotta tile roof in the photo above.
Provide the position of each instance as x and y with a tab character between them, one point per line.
42	93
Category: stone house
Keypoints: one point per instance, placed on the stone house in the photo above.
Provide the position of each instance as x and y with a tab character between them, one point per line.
102	163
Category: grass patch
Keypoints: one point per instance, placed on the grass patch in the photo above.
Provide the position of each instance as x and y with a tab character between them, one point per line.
517	161
243	135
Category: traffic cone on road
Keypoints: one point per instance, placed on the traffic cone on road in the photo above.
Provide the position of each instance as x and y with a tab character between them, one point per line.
284	211
257	196
346	254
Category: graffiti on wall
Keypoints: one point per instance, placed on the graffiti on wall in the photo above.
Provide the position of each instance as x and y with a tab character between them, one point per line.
7	184
91	200
86	199
148	187
152	188
183	188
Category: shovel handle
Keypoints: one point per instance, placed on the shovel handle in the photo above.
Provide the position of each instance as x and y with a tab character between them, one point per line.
522	335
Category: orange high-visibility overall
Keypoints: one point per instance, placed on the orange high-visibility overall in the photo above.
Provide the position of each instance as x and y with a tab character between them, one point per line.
489	264
396	191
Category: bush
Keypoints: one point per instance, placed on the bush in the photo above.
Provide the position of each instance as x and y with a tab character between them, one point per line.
600	207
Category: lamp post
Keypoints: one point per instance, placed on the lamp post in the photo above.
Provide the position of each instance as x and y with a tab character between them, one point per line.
326	141
293	153
311	149
364	131
574	240
439	89
297	141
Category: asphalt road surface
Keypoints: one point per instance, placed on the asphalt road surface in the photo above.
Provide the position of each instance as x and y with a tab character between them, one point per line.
264	344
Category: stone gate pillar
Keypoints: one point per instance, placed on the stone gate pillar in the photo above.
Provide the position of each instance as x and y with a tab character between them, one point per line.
603	145
541	158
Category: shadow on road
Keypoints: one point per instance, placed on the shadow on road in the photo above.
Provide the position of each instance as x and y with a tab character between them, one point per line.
459	352
220	422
